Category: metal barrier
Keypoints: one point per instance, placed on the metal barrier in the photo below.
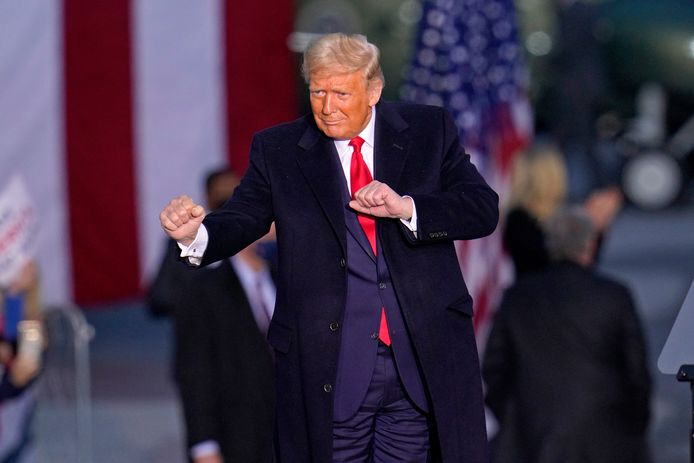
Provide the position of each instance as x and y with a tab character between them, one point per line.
63	423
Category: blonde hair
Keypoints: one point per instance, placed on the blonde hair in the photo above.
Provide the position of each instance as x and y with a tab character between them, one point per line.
343	53
539	181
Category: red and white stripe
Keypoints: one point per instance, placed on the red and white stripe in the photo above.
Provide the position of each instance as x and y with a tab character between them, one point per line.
487	268
109	109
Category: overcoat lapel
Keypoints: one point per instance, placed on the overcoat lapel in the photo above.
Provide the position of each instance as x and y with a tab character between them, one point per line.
318	161
392	145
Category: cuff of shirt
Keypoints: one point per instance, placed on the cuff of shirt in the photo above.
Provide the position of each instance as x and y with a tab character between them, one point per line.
412	223
194	252
204	449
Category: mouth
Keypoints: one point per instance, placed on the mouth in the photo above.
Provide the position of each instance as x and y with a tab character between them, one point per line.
327	122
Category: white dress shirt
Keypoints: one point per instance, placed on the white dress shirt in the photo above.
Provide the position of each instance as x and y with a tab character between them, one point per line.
259	289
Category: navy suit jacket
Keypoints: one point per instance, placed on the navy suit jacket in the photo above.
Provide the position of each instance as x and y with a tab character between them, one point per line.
291	180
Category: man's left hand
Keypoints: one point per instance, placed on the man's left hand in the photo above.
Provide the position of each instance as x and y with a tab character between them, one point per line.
379	200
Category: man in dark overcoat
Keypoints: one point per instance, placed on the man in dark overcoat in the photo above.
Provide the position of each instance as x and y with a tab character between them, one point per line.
566	362
372	329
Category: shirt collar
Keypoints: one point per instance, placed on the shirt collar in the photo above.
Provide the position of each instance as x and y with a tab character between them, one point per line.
367	134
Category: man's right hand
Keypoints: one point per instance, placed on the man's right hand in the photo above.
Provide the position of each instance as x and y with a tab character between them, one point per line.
181	219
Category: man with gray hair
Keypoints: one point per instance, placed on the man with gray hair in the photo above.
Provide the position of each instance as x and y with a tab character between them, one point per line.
565	363
375	354
572	236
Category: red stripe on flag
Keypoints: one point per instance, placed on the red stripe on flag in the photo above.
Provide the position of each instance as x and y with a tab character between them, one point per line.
99	150
508	141
260	72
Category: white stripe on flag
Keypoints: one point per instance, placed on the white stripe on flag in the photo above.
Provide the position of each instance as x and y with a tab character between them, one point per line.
31	128
179	108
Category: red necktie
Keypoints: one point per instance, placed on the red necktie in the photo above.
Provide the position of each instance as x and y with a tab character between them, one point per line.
359	177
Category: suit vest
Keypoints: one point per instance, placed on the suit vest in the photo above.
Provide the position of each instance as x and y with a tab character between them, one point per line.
369	287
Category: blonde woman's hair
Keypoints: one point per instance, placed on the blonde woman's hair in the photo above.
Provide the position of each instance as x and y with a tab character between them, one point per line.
539	181
343	53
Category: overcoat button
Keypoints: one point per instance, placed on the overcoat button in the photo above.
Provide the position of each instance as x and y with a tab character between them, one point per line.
343	263
328	387
382	285
334	326
374	335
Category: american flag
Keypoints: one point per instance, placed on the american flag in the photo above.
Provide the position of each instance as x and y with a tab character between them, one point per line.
110	108
467	58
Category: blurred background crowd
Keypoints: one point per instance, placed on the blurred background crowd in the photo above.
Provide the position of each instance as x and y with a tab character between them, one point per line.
577	112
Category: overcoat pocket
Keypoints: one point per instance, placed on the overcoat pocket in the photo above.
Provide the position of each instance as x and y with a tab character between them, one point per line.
462	305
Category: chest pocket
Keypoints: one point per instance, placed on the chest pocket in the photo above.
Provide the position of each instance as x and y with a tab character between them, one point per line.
462	305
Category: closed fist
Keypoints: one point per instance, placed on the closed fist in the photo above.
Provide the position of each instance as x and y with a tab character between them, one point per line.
181	219
379	200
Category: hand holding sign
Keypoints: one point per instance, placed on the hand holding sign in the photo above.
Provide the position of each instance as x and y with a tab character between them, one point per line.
17	230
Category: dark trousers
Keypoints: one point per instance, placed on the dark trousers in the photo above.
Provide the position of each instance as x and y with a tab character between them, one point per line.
387	428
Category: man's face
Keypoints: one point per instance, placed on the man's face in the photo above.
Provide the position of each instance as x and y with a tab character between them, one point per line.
341	102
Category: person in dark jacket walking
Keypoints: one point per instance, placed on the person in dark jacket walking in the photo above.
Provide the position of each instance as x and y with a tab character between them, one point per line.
565	363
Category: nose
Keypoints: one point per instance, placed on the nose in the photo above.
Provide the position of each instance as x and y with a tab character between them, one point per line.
328	105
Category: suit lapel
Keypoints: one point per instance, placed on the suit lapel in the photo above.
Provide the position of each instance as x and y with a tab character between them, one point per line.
319	164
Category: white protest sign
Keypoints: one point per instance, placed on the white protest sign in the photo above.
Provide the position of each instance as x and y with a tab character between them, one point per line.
17	229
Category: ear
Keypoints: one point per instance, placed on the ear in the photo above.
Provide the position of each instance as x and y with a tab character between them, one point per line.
374	90
587	257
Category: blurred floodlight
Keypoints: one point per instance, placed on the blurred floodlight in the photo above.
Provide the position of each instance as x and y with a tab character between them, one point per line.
538	43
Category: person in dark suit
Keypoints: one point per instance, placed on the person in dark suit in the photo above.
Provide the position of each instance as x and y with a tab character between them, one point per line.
222	362
375	356
565	362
